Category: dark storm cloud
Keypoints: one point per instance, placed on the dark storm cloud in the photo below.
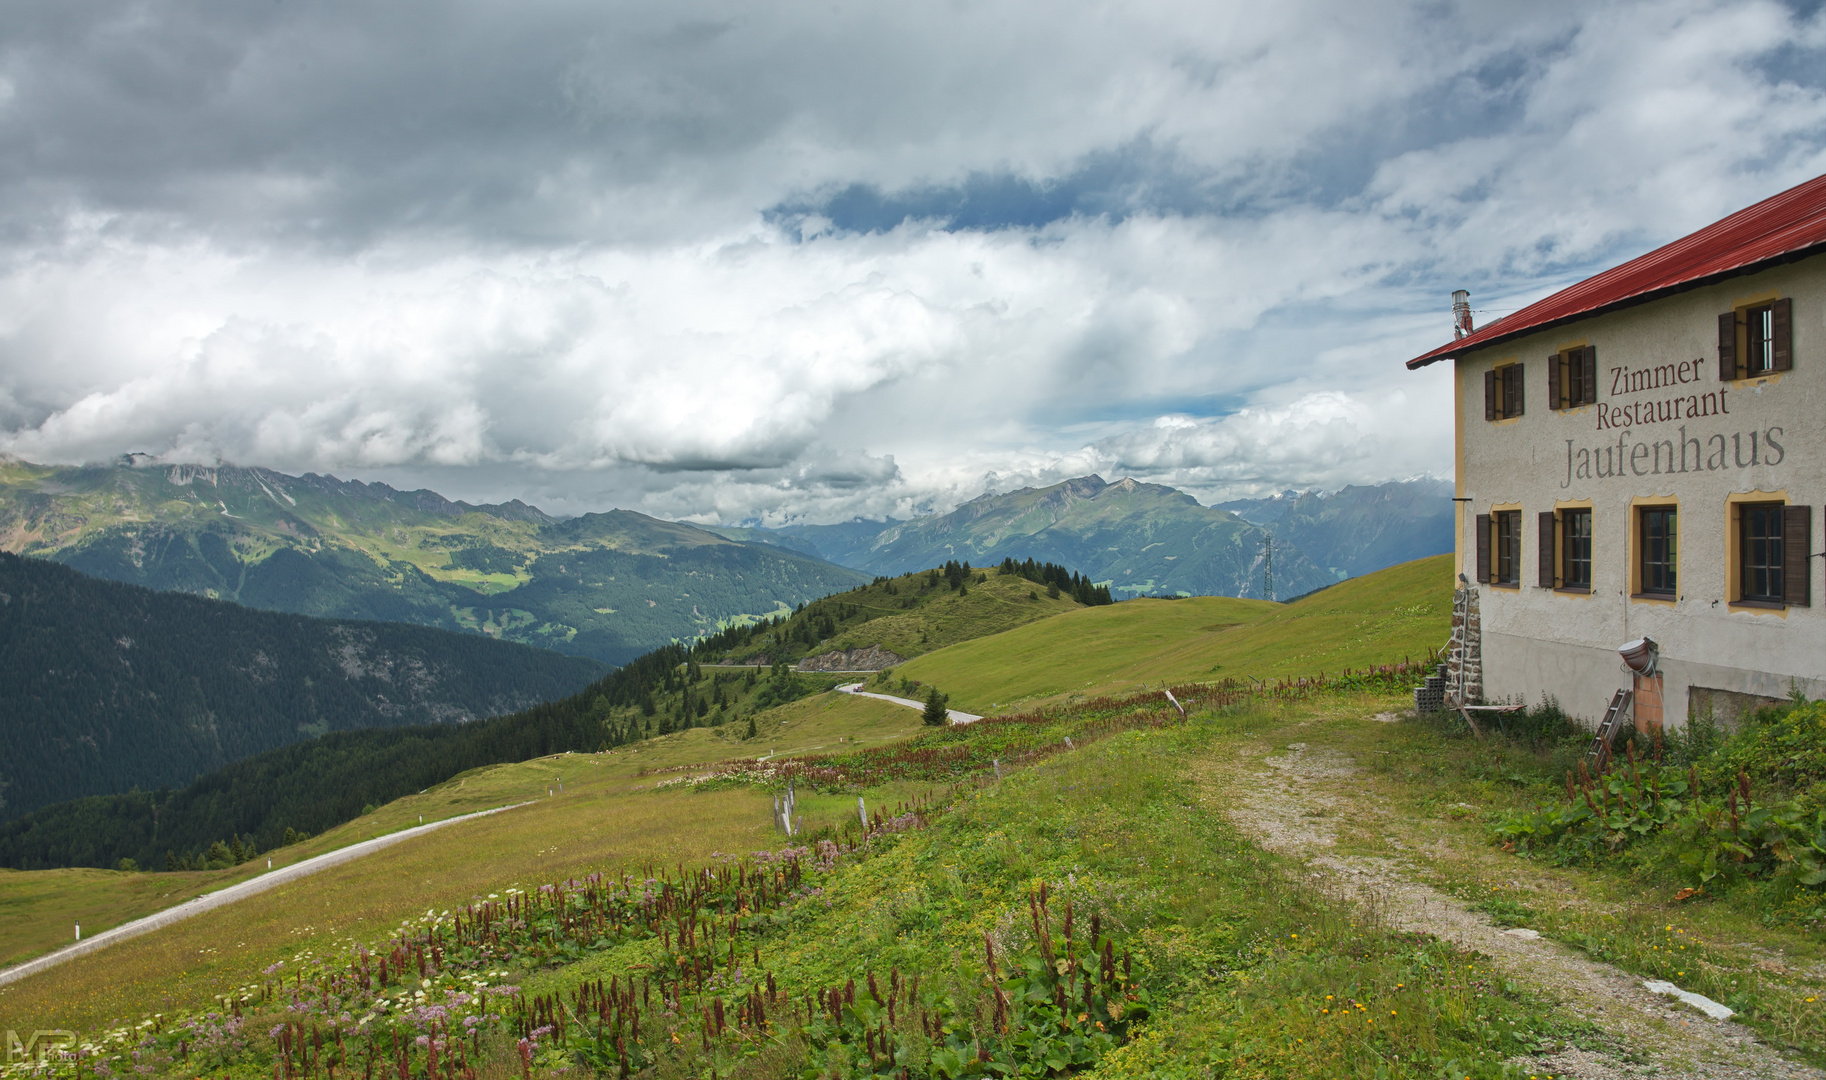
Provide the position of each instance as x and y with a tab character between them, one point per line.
832	258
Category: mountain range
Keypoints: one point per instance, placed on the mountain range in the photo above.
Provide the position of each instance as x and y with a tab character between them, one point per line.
1358	530
612	585
1147	539
608	586
106	687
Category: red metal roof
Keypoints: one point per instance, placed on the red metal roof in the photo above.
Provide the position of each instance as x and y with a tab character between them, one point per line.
1778	229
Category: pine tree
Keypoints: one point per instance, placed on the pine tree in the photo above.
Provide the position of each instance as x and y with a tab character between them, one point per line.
935	714
751	731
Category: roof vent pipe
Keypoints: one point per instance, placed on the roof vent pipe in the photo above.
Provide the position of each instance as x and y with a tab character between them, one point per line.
1461	314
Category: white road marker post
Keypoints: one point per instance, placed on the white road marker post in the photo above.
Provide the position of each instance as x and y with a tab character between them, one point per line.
78	931
862	811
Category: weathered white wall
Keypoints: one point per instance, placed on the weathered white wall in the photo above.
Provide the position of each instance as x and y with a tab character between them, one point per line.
1539	640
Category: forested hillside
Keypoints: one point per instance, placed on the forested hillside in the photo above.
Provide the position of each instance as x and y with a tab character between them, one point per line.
105	687
250	805
258	803
609	586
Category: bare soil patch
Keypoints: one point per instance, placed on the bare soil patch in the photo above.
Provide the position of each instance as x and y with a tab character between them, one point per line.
1292	798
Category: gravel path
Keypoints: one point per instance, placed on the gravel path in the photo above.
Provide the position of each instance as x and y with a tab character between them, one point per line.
1286	807
241	891
955	716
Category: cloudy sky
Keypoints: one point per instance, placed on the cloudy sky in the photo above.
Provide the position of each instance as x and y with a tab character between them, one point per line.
777	261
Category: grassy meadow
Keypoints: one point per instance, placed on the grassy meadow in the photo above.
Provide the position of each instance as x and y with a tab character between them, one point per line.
1380	618
608	798
1215	951
1075	893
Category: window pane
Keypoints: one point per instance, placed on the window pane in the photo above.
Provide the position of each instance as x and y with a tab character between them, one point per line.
1761	549
1660	550
1508	540
1760	338
1575	548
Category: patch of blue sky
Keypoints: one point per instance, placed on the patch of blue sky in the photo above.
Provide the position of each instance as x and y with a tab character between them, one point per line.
1115	184
1146	177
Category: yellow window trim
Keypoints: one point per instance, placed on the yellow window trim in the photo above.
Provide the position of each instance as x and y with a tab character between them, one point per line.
1570	410
1506	362
1739	305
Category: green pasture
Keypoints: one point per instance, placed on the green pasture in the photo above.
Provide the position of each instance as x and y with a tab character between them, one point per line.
1404	611
609	817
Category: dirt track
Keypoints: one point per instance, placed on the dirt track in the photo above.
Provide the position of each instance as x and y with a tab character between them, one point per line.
1285	801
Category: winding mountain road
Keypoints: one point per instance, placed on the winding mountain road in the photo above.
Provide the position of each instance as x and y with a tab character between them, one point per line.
221	897
954	715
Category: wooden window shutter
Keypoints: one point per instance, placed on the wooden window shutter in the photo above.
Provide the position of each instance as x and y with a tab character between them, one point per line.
1490	391
1727	346
1547	533
1783	311
1518	384
1588	363
1554	363
1483	548
1797	555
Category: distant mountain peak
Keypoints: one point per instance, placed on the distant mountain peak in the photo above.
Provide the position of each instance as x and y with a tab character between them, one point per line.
610	585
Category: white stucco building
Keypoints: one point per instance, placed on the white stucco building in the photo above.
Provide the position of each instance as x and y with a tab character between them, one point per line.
1644	453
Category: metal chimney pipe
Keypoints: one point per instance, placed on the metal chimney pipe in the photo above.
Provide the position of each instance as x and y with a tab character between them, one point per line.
1461	314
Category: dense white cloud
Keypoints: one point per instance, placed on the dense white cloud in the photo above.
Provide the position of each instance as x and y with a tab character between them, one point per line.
655	256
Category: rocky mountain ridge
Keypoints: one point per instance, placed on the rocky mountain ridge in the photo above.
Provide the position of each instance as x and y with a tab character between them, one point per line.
1149	539
608	586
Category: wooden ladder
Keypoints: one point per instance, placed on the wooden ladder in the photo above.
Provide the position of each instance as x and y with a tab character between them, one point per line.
1599	752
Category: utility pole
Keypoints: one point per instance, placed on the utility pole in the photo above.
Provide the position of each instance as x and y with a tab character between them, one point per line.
1268	566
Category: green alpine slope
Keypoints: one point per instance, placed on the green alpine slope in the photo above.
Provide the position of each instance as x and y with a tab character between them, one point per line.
905	616
1403	612
609	586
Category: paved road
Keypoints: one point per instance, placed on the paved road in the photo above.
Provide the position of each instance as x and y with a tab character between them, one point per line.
240	891
954	715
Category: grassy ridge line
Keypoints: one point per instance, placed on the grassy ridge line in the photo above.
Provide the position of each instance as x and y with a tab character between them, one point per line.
906	615
1380	618
961	753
